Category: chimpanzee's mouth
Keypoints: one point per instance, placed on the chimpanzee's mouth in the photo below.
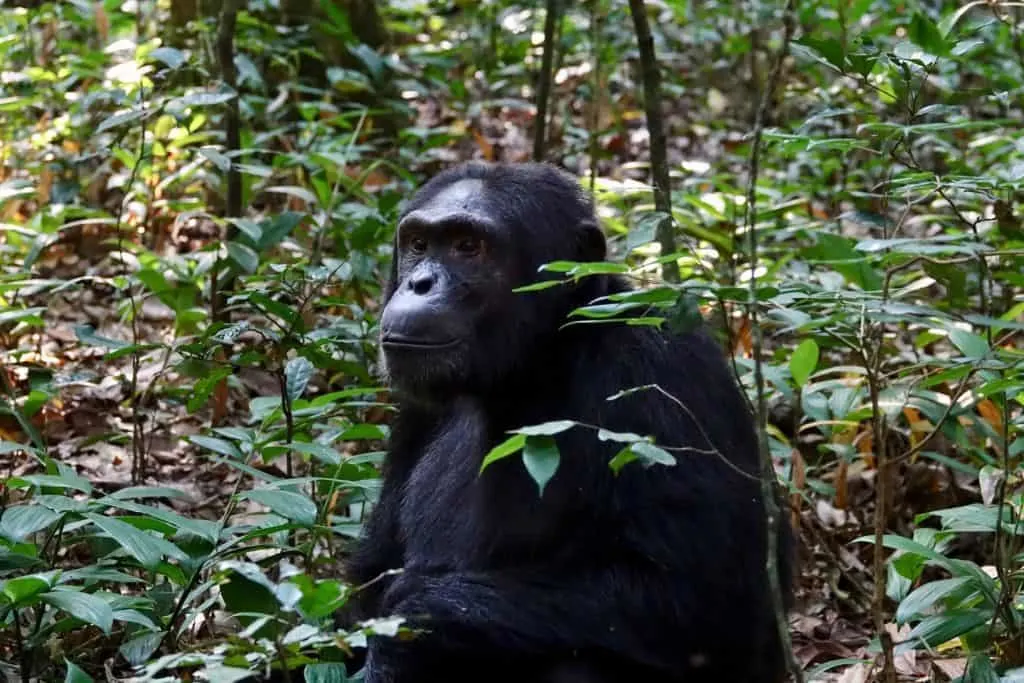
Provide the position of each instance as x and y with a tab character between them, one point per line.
400	341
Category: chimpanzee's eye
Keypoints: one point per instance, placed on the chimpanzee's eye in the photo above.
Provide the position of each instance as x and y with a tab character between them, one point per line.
417	245
468	247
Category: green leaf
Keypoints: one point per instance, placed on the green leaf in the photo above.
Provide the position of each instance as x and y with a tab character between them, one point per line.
288	504
619	437
205	99
646	229
803	361
950	21
279	227
138	650
295	191
147	548
969	344
87	335
21	315
243	257
297	374
25	588
980	580
922	599
923	31
546	428
75	674
217	446
83	606
979	666
331	672
650	454
621	459
64	480
513	444
201	528
170	56
120	119
829	48
21	521
941	628
541	458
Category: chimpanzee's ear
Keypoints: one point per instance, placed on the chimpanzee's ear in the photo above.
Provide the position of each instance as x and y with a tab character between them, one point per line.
592	247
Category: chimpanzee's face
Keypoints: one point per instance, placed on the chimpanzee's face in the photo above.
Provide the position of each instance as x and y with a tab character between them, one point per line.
452	324
452	279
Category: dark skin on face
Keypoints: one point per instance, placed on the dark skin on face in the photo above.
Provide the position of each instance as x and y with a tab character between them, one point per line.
445	250
458	257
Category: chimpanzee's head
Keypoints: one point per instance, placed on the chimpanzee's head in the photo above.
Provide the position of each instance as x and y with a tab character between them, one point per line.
451	323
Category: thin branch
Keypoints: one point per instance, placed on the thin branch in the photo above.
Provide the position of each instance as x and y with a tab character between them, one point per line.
544	79
768	479
656	128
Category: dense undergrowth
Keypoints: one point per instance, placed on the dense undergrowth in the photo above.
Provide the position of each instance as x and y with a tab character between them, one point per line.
189	418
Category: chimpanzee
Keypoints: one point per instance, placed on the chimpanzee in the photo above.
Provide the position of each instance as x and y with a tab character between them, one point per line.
654	573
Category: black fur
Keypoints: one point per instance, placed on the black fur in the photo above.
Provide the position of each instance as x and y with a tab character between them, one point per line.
656	574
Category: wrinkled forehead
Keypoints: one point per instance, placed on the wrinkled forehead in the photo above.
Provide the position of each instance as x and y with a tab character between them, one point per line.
464	200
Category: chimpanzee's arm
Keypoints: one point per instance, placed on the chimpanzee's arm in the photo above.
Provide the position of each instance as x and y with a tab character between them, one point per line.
380	548
473	613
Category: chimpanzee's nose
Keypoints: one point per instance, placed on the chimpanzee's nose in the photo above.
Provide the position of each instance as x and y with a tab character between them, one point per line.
421	283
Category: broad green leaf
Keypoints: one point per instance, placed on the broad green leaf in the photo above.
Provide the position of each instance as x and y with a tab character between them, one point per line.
205	99
546	428
247	226
922	599
22	315
243	256
121	119
541	458
331	672
321	452
295	191
969	344
829	48
297	374
21	521
83	606
619	437
141	492
170	56
621	459
145	547
980	580
75	674
217	445
288	504
87	335
203	528
941	628
65	480
649	454
923	32
279	227
803	361
980	669
646	229
513	444
139	649
25	588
